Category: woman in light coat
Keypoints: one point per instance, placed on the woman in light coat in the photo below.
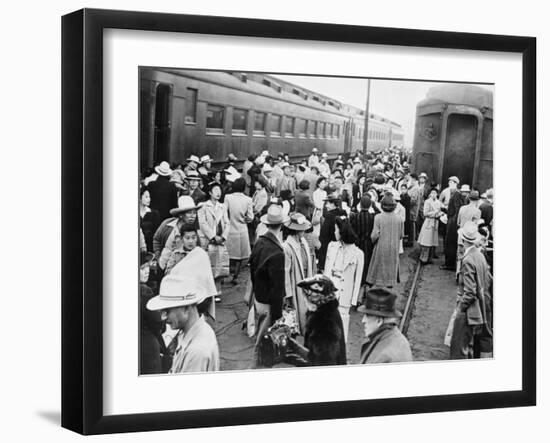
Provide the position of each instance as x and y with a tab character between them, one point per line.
298	266
213	234
429	234
386	234
239	207
344	264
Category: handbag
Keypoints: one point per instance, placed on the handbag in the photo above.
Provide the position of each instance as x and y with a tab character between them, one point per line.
219	260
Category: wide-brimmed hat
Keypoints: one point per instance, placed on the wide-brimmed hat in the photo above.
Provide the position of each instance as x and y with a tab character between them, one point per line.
185	203
454	178
469	232
163	169
298	222
315	150
193	158
193	175
274	216
267	168
465	188
175	291
423	174
380	302
473	195
324	155
205	159
319	283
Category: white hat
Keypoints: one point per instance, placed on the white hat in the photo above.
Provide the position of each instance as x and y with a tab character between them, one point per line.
465	188
193	158
469	232
231	174
356	160
314	150
423	174
324	155
185	203
205	159
274	216
267	168
264	153
177	290
163	169
260	160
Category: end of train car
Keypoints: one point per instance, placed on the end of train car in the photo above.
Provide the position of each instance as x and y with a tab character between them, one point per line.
454	135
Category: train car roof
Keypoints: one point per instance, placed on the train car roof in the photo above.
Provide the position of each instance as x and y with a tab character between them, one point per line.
459	94
271	86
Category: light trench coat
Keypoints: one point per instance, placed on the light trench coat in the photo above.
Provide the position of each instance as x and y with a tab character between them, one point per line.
295	272
213	220
239	207
429	234
344	264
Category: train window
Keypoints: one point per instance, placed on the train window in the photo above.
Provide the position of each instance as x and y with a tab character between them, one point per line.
289	126
191	106
329	130
301	127
214	118
240	117
275	125
336	130
312	128
259	123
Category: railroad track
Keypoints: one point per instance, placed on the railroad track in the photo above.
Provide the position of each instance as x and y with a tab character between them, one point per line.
405	320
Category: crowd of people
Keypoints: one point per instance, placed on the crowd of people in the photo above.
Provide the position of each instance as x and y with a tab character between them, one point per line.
320	238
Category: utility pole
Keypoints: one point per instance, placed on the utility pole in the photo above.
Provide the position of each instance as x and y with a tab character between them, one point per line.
366	130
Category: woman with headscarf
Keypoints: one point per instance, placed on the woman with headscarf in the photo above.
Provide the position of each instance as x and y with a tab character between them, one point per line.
429	233
298	265
386	233
344	264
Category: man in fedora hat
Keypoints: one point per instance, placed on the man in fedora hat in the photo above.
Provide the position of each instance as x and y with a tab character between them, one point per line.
164	194
385	342
445	195
194	179
168	236
472	335
267	273
193	162
197	347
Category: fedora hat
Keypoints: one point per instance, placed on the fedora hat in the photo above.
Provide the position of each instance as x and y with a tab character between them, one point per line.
193	158
163	169
175	291
324	155
473	195
465	188
469	232
380	302
454	178
298	222
274	216
315	150
423	174
185	203
205	159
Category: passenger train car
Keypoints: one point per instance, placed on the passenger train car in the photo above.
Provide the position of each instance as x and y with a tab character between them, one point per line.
184	112
454	135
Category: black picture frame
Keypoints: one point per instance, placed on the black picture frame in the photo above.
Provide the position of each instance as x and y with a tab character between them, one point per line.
82	230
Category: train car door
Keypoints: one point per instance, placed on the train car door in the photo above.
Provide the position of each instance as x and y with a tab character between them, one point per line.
162	123
460	148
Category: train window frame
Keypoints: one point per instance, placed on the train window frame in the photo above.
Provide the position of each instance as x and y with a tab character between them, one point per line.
191	119
214	130
257	132
239	131
288	118
301	135
271	117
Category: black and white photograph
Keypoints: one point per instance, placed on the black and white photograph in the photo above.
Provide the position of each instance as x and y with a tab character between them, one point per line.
298	220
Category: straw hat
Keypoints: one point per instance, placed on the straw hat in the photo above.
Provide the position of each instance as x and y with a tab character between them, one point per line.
205	159
324	155
314	150
163	169
193	158
185	203
465	188
267	168
274	216
454	178
298	222
193	175
175	291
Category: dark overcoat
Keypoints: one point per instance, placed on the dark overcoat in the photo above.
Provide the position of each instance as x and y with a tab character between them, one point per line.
164	196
